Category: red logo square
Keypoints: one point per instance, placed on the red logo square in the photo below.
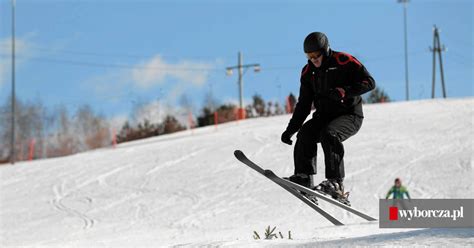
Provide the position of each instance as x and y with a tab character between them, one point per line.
393	213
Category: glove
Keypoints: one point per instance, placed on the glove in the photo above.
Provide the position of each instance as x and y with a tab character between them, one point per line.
286	138
337	94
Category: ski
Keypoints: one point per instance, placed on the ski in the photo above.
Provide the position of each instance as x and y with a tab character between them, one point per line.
242	158
295	188
323	197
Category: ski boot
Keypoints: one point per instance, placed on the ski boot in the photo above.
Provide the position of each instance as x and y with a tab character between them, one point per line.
305	181
335	189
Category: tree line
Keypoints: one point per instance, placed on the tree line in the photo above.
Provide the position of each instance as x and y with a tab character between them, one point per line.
59	132
55	132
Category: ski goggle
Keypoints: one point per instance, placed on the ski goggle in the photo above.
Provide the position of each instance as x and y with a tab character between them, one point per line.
314	55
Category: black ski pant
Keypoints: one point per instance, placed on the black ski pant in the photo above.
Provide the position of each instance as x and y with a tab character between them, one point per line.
330	132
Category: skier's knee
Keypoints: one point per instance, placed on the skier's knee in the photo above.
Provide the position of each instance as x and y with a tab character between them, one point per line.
330	139
330	135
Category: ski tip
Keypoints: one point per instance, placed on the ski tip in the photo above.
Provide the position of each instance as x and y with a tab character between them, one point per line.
238	152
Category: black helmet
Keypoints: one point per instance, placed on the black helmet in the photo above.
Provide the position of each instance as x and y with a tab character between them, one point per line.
316	41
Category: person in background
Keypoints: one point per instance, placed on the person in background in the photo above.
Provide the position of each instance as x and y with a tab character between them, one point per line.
398	191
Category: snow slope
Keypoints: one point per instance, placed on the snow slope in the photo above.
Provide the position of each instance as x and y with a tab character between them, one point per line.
188	189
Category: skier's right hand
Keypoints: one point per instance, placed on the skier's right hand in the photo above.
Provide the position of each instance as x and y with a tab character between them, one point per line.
286	138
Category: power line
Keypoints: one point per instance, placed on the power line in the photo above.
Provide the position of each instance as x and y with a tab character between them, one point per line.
460	56
143	56
459	60
123	66
274	68
368	59
180	68
120	55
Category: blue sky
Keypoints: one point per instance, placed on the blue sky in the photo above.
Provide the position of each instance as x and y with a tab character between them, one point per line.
113	54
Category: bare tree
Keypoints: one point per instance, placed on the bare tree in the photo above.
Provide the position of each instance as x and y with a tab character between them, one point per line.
278	109
92	131
6	128
258	105
61	142
210	102
32	123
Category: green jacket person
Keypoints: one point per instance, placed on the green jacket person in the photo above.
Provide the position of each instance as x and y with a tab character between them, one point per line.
398	190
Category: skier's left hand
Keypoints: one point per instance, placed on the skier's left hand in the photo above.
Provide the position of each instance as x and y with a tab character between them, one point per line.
286	138
337	94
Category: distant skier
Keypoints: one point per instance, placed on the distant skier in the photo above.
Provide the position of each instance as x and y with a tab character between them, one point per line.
334	82
398	191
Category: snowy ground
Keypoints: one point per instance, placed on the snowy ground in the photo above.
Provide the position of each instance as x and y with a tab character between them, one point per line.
188	189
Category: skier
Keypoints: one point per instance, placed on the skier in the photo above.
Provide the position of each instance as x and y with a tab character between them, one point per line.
334	82
398	190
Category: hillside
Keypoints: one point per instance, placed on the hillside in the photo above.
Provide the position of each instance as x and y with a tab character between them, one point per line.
187	188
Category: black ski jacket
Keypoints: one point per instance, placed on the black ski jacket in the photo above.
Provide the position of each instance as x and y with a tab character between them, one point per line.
338	70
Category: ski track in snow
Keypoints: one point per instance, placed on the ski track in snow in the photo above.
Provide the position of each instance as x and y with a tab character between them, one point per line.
59	204
187	189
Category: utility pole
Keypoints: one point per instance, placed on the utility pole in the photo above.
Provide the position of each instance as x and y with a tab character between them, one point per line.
405	3
240	67
12	152
437	49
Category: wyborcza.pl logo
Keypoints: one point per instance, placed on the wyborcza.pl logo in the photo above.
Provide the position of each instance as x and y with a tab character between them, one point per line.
410	214
422	213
